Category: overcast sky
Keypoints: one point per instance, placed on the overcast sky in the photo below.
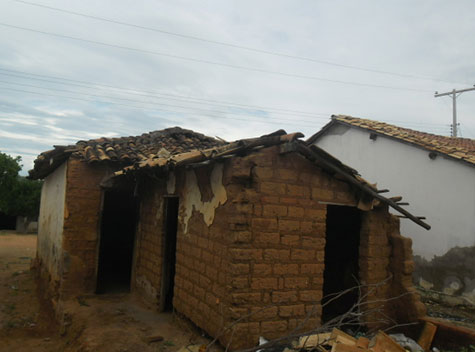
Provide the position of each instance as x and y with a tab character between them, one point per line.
381	60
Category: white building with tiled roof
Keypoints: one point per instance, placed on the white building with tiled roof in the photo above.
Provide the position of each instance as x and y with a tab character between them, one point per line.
436	175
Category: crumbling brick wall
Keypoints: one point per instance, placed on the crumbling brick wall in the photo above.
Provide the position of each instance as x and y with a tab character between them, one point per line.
281	257
81	226
409	308
258	264
386	267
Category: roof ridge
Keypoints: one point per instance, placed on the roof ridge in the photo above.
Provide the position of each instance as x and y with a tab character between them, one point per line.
124	150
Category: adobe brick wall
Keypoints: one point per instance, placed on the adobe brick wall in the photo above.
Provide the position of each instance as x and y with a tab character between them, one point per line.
374	274
277	266
81	226
201	257
261	259
147	270
386	266
202	262
409	308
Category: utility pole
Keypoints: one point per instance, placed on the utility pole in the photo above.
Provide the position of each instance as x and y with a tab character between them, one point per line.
454	105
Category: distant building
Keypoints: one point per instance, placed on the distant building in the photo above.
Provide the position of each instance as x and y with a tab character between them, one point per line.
435	174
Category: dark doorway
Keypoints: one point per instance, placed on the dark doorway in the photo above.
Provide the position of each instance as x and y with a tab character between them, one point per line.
119	218
169	253
341	259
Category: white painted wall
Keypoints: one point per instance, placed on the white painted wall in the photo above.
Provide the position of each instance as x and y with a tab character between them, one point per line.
51	220
443	190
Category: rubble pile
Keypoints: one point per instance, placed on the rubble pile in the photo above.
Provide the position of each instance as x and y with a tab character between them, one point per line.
339	341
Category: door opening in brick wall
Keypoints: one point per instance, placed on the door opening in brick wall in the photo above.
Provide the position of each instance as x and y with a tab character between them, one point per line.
169	253
117	237
341	259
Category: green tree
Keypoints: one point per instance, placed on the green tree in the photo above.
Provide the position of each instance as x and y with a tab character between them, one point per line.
18	195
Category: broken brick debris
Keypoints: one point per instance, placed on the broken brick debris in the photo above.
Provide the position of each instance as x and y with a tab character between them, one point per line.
339	341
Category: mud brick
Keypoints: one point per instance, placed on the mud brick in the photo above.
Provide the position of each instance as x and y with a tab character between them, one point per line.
296	212
290	240
276	254
246	298
246	253
292	311
263	313
262	269
264	172
285	269
297	191
267	238
264	283
274	210
296	282
289	225
284	296
302	254
313	296
273	327
273	188
264	224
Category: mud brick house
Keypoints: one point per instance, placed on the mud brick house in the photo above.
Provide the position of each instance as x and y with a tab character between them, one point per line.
251	234
72	205
264	229
436	176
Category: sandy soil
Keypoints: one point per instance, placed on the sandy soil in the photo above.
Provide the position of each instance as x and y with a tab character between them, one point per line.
22	323
99	322
106	323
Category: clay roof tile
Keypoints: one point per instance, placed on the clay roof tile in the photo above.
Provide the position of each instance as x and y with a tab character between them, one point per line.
458	148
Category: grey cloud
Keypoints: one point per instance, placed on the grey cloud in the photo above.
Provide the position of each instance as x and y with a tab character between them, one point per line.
423	38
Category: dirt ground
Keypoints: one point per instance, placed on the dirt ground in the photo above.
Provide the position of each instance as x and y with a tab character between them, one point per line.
109	323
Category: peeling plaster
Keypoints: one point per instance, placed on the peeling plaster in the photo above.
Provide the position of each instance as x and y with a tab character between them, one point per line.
192	197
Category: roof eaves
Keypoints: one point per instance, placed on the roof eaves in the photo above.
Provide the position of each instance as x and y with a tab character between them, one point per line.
312	153
390	136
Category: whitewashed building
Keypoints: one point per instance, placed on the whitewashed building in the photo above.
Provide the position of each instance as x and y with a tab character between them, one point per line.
436	176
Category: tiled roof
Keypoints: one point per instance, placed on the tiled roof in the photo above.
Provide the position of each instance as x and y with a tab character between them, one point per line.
458	148
124	150
289	143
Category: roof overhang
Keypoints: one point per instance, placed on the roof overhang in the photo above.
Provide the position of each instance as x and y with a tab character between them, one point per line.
288	143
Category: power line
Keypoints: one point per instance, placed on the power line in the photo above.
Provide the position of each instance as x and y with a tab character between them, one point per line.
139	101
184	58
231	45
274	121
157	95
152	109
87	84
